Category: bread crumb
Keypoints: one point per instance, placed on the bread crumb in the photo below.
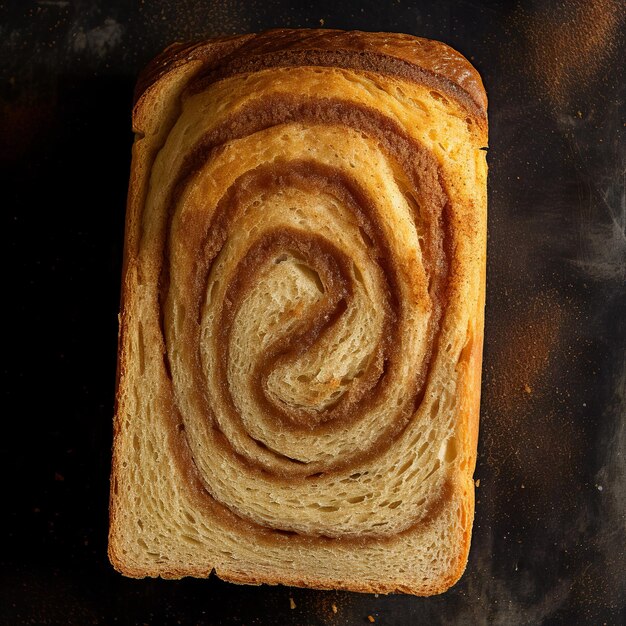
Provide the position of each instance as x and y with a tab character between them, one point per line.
371	619
477	482
334	607
322	22
292	604
527	388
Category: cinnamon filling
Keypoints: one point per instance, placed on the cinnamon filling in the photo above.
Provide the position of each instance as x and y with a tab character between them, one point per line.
207	235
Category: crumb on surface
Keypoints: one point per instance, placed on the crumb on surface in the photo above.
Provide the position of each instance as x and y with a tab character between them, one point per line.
371	619
292	604
334	607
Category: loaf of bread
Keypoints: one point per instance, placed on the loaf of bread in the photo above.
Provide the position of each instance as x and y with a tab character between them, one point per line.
301	324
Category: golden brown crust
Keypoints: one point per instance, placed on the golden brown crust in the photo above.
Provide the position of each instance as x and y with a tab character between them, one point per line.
445	229
424	60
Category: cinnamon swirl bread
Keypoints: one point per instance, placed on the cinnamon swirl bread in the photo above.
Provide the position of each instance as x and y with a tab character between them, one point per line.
302	314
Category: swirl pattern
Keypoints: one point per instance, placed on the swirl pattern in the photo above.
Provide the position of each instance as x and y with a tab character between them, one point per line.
306	253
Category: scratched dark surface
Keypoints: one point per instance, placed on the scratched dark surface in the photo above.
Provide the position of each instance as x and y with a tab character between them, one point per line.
549	536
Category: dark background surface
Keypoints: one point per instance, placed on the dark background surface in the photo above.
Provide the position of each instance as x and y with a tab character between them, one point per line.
549	537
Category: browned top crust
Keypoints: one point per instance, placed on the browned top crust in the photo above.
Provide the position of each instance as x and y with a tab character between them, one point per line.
427	61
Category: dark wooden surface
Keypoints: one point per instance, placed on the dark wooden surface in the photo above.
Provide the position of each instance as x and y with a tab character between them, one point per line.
549	538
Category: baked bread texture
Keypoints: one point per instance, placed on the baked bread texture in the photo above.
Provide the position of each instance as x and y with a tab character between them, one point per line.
301	324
